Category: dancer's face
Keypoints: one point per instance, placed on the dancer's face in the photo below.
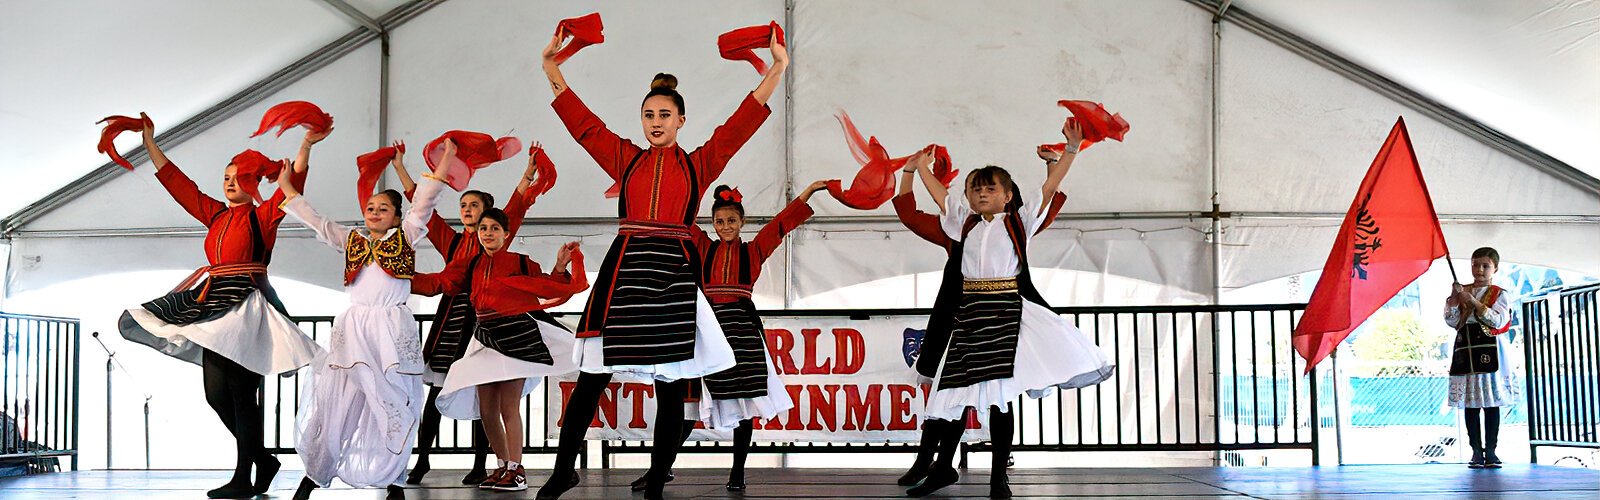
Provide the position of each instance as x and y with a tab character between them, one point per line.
230	186
471	207
987	199
381	214
1483	269
492	235
728	222
661	120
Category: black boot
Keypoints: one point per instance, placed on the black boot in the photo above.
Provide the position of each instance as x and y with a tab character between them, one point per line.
266	469
395	493
557	484
931	430
1474	438
1001	428
943	473
1491	435
639	484
304	491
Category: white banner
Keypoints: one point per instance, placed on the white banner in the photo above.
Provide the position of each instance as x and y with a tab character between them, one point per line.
851	381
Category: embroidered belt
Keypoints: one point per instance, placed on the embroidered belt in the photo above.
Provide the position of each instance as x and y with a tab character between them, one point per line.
740	291
245	269
652	229
992	285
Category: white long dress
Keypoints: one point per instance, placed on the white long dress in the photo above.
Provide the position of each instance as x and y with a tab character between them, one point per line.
1051	352
1487	390
359	411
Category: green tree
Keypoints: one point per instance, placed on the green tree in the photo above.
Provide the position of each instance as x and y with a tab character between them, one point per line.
1396	335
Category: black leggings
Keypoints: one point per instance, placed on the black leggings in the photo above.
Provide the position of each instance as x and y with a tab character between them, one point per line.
233	392
429	431
1001	430
585	400
1490	429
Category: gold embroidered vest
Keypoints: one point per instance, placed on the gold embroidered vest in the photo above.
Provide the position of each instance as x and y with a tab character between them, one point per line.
393	254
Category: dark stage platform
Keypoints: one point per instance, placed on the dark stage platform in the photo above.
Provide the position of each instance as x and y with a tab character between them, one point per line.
1411	482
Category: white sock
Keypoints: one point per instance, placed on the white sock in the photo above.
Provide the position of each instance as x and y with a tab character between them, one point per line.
511	465
501	462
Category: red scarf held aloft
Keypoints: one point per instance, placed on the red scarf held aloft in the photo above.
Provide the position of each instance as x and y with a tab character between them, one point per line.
371	167
740	44
1097	124
292	114
584	30
474	150
250	166
544	168
116	125
874	183
546	291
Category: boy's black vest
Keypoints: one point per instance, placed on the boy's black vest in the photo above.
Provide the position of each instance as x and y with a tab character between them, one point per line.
942	322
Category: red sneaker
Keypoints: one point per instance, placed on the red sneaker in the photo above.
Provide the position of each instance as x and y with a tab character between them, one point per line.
515	479
493	479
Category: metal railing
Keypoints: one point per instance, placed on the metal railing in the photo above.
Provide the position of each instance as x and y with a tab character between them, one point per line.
1189	378
1563	358
38	391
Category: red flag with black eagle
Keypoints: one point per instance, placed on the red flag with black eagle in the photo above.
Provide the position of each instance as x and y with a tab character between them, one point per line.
1389	237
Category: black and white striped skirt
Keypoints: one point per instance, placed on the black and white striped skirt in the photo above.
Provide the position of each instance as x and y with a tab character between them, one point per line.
239	319
650	318
516	336
983	344
748	377
453	326
482	364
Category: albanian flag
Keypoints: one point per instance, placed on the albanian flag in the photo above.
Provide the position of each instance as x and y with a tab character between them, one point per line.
1389	238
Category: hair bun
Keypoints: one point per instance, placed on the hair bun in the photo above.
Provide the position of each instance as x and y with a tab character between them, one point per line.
664	81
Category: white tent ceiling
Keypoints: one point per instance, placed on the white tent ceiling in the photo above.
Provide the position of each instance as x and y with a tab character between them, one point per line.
1292	135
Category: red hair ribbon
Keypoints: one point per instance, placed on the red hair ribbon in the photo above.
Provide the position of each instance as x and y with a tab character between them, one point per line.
250	166
874	183
545	169
116	125
732	195
371	167
291	114
474	150
585	31
1097	124
740	44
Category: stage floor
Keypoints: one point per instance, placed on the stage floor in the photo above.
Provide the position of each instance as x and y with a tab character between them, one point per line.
1414	482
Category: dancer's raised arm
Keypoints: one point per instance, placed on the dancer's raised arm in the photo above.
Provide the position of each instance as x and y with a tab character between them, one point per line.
769	81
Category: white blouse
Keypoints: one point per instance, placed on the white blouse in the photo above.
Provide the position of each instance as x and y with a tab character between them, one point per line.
989	253
336	235
1498	316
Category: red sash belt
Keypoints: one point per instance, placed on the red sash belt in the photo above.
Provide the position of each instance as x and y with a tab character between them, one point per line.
245	269
652	229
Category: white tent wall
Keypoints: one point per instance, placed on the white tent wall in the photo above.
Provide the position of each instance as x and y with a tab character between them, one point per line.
475	65
1294	139
1297	139
67	248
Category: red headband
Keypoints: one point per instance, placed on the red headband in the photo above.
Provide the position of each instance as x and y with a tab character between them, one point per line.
740	44
585	31
474	150
250	166
116	125
291	114
371	167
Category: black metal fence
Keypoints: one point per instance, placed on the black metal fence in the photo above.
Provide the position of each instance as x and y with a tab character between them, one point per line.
1563	368
38	392
1189	378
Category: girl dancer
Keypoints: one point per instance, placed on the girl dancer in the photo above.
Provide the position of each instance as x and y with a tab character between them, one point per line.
231	322
454	320
730	268
646	314
927	227
361	405
1477	311
1001	340
515	343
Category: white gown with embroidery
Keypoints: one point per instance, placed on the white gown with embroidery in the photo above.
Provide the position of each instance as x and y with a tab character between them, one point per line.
360	408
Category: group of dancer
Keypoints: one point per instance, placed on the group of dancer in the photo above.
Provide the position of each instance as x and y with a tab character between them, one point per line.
671	303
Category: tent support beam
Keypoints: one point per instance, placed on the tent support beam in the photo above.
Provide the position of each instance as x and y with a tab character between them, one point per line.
356	15
1406	96
188	129
609	223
